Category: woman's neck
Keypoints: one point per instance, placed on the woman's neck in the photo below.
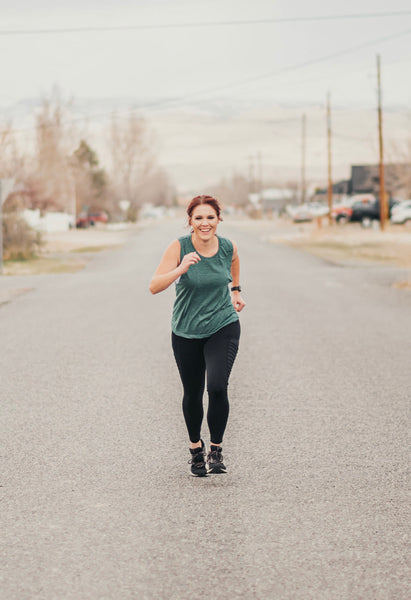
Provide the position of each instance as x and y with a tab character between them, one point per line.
205	247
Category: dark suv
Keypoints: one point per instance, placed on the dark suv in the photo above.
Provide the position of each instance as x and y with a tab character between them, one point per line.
366	212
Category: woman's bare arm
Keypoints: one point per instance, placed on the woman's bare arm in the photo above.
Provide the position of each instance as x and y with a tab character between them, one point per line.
236	299
170	267
167	271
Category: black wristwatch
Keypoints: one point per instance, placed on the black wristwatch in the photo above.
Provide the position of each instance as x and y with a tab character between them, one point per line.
236	288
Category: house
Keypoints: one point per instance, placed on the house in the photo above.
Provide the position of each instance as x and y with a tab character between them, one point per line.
365	179
341	189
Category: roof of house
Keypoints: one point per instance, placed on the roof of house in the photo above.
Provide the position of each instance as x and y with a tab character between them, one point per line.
366	178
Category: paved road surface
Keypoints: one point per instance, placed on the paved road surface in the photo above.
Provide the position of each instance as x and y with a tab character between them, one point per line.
96	497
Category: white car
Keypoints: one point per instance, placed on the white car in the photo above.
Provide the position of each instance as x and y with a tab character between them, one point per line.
318	209
307	211
401	212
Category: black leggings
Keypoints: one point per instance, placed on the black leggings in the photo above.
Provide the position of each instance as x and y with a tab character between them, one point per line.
214	355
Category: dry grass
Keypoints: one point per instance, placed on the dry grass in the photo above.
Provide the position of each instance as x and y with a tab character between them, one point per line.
387	253
43	265
350	244
403	285
86	249
66	252
77	239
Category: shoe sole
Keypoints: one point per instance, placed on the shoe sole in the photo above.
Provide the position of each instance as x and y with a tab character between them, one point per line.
199	474
217	471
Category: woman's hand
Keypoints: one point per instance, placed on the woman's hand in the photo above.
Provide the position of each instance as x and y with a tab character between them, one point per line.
169	269
189	259
237	301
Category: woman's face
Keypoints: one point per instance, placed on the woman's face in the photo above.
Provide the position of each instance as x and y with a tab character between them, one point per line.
204	221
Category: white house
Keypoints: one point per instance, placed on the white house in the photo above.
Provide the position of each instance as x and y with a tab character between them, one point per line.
51	221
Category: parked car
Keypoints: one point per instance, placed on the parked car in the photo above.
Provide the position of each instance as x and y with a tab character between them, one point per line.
90	219
317	209
367	212
307	212
302	214
401	213
342	212
97	217
82	220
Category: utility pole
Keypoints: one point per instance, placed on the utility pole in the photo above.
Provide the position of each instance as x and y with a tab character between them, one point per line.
330	183
251	179
303	151
73	199
1	231
383	196
260	180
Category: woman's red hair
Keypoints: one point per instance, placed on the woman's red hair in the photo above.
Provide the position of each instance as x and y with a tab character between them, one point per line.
204	200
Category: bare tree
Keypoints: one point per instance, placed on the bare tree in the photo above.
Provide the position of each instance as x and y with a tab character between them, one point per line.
232	191
157	188
53	178
132	157
18	239
12	161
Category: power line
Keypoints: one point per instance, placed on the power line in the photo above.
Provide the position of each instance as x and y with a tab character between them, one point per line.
166	103
287	69
160	104
12	32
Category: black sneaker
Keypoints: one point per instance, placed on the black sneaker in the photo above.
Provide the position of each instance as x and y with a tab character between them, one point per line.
215	460
198	464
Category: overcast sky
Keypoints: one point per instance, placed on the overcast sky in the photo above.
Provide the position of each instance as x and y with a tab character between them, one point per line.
205	62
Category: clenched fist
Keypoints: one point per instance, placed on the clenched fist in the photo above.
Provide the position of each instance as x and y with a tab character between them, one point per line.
189	259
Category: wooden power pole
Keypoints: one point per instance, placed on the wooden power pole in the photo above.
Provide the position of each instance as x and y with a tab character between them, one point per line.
1	231
303	151
330	183
251	176
383	196
260	180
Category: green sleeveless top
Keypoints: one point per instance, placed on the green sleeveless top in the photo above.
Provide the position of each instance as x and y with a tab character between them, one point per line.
203	302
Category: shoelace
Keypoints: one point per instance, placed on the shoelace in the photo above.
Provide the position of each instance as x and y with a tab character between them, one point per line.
215	456
197	459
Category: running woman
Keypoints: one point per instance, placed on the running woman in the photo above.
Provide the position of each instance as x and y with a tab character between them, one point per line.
205	324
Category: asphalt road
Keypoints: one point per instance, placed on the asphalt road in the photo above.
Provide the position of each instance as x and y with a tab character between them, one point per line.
96	497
